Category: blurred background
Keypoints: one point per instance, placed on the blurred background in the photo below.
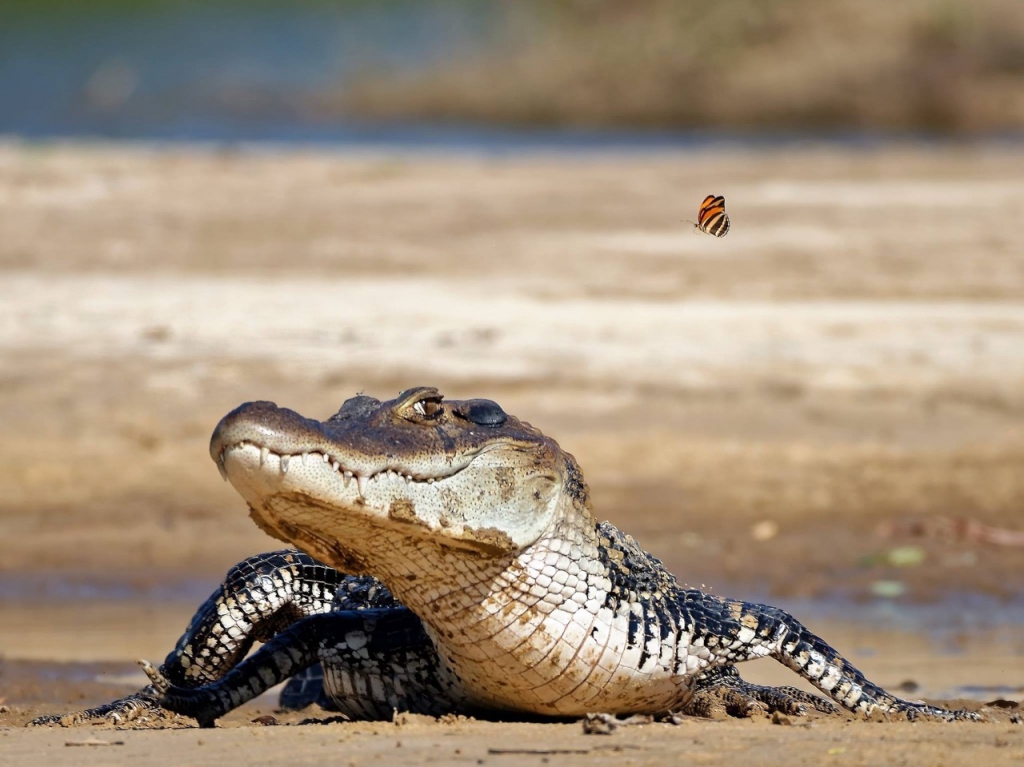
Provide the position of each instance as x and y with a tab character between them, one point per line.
357	71
203	203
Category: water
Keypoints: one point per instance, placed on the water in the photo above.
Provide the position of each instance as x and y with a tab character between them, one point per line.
214	71
955	614
58	587
944	621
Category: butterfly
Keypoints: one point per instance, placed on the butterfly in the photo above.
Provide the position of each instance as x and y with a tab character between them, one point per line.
711	217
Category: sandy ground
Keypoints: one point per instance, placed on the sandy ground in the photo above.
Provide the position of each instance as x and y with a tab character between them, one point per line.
822	410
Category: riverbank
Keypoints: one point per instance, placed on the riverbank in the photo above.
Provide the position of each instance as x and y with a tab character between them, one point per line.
822	408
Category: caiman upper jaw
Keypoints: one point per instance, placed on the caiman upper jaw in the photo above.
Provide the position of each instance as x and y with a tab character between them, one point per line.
353	447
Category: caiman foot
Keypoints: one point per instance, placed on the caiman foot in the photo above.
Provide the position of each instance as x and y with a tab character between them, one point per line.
138	707
187	702
910	711
721	692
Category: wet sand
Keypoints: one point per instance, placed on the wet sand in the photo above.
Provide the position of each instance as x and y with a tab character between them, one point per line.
808	412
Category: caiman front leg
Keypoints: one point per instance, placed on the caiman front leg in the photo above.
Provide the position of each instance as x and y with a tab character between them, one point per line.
259	596
377	660
728	632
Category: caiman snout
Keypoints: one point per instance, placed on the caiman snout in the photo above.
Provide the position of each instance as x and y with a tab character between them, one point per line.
264	424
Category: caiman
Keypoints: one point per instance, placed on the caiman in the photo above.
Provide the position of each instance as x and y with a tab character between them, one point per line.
448	562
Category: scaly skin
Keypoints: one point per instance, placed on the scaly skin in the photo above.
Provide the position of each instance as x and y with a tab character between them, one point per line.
272	597
512	597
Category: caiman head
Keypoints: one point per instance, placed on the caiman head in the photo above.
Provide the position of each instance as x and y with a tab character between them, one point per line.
378	480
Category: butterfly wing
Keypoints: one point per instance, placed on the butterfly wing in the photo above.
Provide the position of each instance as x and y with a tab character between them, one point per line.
711	217
710	203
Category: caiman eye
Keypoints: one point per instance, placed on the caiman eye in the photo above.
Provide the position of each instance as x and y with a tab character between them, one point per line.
428	408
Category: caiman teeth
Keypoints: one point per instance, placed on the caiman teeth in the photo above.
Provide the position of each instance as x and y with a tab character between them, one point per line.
347	475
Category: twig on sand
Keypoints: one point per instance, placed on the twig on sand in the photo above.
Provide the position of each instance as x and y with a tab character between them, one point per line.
94	742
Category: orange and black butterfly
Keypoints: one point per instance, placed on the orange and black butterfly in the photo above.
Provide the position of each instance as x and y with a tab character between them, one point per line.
712	218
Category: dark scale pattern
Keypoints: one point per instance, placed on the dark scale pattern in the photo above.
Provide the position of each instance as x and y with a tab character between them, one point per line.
638	578
364	643
353	593
362	592
281	597
633	572
575	486
303	609
721	632
732	632
259	597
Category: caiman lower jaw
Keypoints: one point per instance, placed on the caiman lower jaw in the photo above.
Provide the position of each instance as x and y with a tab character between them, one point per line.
488	543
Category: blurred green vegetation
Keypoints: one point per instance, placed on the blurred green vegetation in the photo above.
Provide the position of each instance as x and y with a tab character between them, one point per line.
929	65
